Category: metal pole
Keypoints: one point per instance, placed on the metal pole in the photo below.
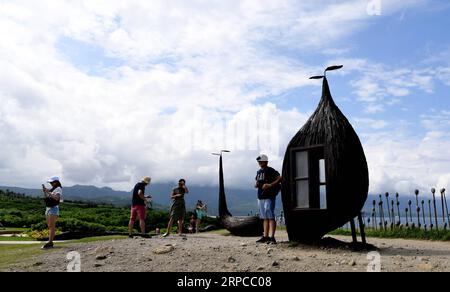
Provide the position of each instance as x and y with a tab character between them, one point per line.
352	226
433	191
398	209
430	214
443	209
446	206
383	221
423	215
362	229
407	219
413	225
387	205
393	214
375	214
419	225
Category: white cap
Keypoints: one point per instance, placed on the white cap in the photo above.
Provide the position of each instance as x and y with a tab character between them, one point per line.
262	158
53	179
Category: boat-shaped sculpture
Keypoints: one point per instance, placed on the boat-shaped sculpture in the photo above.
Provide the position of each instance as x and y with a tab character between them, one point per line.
325	173
236	225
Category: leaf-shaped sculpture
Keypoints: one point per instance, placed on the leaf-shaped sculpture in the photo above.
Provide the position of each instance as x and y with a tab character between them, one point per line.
332	68
325	173
236	225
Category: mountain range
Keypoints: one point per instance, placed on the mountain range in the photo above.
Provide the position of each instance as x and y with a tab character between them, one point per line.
240	202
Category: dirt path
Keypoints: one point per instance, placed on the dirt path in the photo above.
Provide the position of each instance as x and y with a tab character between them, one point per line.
217	253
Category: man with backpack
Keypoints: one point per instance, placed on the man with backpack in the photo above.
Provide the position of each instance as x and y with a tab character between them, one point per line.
268	183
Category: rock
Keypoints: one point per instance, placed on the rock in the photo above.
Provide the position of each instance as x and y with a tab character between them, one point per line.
425	267
424	259
296	259
164	249
329	264
260	269
38	264
231	260
101	257
244	244
352	263
98	265
275	264
269	250
104	250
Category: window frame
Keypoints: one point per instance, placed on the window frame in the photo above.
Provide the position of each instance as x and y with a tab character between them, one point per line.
313	180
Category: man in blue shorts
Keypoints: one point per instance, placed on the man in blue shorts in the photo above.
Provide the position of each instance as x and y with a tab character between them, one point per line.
268	183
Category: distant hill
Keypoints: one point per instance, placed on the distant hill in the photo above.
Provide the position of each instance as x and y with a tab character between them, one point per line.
240	202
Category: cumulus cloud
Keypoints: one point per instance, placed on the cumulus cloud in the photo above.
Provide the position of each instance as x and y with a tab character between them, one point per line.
402	164
175	80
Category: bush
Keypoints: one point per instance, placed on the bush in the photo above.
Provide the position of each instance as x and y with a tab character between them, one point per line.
20	211
39	226
75	225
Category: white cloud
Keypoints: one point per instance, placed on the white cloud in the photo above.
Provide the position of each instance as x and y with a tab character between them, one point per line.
382	86
188	68
402	164
371	123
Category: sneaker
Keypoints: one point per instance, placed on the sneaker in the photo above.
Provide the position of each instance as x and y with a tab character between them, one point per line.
263	240
47	245
272	240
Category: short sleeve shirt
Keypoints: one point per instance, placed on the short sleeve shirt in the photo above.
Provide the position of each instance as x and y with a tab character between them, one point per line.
267	176
137	201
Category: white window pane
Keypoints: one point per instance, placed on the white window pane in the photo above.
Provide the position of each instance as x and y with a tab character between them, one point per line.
322	171
301	162
323	197
302	194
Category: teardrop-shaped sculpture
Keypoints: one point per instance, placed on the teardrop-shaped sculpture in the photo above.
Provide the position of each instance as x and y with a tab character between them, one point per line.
325	174
236	225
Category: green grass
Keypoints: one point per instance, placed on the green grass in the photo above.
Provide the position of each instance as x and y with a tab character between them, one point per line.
12	229
16	238
437	235
13	254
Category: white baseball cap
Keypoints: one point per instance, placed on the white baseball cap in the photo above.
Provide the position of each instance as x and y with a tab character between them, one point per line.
262	158
53	179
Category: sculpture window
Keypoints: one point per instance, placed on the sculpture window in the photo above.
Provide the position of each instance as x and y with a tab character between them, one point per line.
310	178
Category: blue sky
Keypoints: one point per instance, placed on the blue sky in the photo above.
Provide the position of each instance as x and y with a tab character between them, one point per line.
152	87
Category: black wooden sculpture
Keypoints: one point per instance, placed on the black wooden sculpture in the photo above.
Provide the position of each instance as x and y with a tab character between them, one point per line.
236	225
325	173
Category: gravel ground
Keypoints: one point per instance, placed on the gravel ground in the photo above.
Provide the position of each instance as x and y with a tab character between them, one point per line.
218	253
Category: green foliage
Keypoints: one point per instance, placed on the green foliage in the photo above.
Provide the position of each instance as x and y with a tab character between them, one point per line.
17	210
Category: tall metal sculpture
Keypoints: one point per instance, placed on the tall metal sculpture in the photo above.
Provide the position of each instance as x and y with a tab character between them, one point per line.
236	225
325	173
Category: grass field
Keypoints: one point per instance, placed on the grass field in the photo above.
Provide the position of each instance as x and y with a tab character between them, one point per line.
14	254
